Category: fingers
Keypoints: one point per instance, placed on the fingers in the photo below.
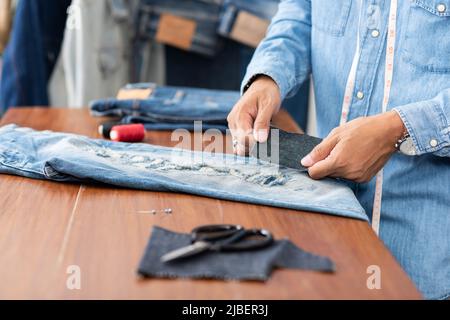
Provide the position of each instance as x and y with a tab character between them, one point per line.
330	166
261	125
355	151
339	165
241	126
250	119
322	160
322	169
320	152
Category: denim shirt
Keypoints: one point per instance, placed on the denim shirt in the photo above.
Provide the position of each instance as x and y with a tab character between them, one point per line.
319	37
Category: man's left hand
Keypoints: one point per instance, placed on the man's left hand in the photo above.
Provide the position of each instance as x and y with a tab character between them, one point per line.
357	150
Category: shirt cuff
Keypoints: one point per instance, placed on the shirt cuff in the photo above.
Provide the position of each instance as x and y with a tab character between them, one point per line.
284	83
427	125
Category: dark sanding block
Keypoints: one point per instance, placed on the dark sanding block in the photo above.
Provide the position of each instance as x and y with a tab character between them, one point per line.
285	149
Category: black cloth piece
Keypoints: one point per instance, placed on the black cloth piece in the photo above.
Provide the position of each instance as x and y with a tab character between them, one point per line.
244	265
291	148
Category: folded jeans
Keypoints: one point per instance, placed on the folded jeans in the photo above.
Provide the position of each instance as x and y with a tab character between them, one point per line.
170	107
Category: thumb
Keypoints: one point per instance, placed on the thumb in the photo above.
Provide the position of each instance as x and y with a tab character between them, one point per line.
262	124
320	152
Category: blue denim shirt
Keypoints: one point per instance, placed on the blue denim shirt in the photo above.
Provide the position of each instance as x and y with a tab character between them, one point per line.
319	37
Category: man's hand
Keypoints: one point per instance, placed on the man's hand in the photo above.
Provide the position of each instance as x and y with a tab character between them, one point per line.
358	150
250	118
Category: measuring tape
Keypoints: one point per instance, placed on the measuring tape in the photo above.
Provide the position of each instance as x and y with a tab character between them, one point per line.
348	97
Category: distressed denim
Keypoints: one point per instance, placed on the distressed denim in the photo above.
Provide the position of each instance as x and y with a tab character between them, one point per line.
319	37
73	158
205	13
170	108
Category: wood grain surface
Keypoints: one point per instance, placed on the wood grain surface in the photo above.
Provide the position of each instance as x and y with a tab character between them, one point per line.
45	227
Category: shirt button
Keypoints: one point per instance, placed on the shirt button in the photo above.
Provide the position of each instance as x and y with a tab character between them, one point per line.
375	33
441	8
360	95
433	143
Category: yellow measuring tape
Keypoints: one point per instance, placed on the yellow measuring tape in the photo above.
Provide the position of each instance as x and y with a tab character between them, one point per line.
348	97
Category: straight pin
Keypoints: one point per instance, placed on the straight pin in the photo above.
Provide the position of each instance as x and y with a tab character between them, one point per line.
154	212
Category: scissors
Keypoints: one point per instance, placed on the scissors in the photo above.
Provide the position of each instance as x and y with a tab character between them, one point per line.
224	237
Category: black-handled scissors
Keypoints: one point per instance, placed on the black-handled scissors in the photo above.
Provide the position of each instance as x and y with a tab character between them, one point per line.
222	238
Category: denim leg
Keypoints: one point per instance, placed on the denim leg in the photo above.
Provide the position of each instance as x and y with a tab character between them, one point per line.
32	52
67	157
205	14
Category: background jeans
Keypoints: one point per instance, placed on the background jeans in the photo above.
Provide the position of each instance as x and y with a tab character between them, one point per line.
32	52
67	157
171	107
205	13
226	69
264	9
152	123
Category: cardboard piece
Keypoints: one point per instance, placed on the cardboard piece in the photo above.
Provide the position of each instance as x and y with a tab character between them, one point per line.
249	29
176	31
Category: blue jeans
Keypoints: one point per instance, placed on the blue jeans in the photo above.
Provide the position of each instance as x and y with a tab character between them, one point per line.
225	71
228	66
170	108
264	9
32	52
205	13
73	158
157	124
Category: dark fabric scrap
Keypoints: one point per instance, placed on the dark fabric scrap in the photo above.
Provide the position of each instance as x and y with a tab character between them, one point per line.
291	147
244	265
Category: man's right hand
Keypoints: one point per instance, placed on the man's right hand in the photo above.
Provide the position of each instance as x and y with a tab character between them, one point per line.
249	121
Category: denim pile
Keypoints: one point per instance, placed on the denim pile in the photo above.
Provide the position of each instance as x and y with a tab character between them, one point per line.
212	18
38	33
214	60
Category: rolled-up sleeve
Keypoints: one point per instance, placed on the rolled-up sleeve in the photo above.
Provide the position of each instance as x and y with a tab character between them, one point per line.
284	54
427	123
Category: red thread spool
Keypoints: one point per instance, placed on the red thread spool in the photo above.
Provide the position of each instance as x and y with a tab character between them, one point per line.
128	133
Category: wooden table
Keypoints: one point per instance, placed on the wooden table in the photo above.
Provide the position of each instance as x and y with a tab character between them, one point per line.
45	227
